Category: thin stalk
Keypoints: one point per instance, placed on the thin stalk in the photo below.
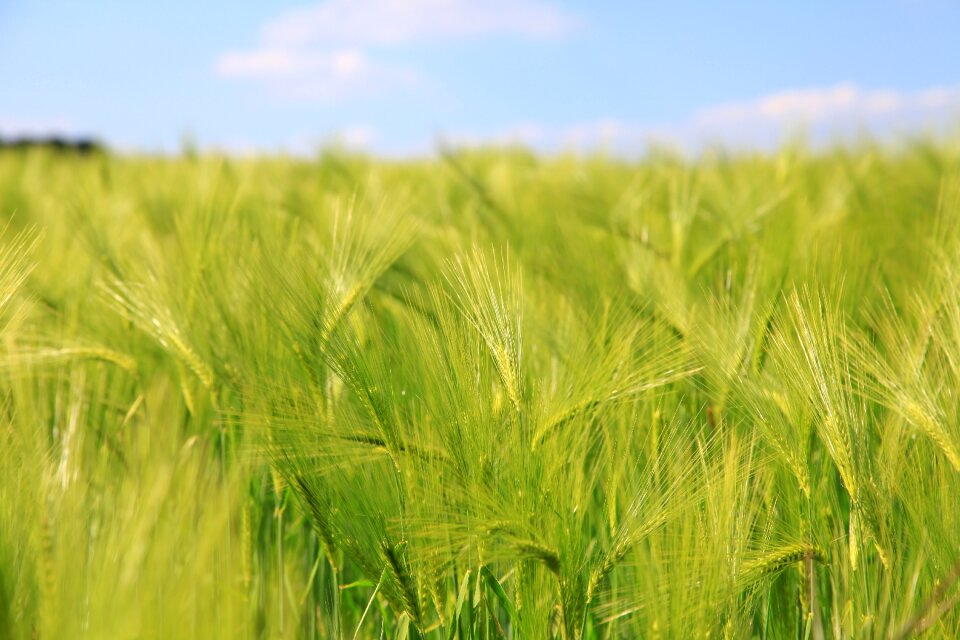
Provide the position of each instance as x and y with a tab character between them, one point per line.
927	615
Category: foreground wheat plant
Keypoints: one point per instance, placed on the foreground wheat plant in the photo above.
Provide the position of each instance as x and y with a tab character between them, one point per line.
490	395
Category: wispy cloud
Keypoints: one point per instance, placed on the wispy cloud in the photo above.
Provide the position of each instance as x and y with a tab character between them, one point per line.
528	134
353	137
823	114
358	136
392	22
346	63
315	76
304	144
323	52
34	126
824	104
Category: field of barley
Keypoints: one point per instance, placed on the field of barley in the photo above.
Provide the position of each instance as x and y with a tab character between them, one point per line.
487	395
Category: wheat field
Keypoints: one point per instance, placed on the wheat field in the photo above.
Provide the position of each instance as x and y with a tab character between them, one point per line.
486	395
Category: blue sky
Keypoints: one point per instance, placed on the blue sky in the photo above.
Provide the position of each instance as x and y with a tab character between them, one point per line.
395	76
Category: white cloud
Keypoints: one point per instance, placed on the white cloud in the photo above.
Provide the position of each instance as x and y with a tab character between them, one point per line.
391	22
322	53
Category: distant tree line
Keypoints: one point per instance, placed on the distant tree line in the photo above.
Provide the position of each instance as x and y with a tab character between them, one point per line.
80	145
